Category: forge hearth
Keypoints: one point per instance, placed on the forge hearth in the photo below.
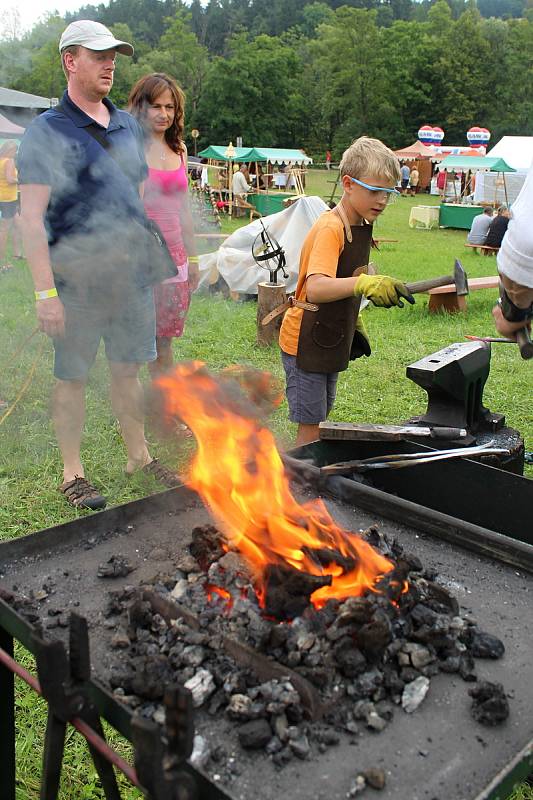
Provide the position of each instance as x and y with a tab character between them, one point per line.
293	679
328	742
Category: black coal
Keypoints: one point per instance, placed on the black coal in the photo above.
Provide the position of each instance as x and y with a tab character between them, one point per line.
342	669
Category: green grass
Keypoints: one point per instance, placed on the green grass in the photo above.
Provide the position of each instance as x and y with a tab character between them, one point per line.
222	332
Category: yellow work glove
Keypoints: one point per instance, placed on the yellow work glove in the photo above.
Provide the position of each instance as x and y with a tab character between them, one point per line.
383	290
360	344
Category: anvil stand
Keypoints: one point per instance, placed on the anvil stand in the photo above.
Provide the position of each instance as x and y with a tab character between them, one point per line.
454	379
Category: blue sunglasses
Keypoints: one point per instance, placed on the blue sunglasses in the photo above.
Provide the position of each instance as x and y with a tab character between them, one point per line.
391	193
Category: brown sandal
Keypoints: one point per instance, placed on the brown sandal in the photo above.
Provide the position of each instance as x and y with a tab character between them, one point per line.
162	474
81	494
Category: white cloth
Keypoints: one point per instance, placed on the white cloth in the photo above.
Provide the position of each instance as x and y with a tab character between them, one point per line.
234	259
480	227
204	179
238	184
515	257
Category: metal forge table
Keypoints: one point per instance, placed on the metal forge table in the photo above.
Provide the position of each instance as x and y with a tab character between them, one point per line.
439	753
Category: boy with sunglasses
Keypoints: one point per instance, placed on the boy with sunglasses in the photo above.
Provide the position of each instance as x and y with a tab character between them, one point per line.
321	331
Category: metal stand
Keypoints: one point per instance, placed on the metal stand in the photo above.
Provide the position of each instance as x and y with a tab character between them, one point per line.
61	680
7	720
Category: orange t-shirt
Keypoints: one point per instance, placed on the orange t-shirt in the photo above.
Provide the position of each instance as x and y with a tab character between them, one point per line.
320	256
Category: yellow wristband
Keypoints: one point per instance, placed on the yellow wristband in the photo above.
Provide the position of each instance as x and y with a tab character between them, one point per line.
193	259
45	294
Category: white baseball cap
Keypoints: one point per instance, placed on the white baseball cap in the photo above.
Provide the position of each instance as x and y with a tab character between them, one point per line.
93	36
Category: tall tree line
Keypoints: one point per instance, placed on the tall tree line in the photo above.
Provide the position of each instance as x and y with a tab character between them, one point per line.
313	75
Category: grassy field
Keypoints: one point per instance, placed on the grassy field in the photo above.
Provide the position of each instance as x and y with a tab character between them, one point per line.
222	332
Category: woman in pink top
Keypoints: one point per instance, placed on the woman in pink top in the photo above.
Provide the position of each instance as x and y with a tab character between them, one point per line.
158	103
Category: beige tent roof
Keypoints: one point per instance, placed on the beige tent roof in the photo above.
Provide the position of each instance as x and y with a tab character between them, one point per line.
418	151
12	97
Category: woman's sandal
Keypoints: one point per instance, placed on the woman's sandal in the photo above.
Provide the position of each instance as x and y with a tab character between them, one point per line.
81	494
162	474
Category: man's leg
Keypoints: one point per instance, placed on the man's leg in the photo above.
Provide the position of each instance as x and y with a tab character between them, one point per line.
68	414
5	225
165	358
127	398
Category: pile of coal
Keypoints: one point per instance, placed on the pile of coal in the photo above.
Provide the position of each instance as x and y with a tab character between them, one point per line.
365	658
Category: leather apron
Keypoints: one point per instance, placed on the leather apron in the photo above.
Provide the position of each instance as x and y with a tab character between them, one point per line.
326	335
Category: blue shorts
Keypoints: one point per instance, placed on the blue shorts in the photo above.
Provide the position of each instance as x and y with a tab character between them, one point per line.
310	395
126	325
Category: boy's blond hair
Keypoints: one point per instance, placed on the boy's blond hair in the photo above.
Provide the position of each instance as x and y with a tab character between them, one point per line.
371	158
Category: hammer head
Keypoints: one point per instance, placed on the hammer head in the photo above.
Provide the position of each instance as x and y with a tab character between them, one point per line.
460	278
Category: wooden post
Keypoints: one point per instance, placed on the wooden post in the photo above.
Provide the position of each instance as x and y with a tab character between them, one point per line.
269	297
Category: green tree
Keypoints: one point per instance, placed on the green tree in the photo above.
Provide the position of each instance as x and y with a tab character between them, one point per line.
348	79
253	93
180	54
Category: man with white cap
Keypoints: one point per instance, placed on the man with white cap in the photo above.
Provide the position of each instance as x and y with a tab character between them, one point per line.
514	310
81	169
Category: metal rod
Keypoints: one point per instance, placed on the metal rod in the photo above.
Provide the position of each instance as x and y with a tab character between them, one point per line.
498	339
397	460
86	731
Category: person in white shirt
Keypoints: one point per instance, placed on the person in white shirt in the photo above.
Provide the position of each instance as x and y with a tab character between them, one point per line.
480	226
239	185
515	266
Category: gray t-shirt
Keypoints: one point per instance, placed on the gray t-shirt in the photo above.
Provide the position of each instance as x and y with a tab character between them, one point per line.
478	231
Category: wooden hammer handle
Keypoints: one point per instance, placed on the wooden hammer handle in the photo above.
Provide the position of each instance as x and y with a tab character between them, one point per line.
524	343
431	283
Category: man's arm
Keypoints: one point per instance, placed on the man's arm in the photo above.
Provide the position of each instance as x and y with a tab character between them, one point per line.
34	202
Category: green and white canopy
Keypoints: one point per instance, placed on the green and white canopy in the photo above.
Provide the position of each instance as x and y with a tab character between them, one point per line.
474	164
273	155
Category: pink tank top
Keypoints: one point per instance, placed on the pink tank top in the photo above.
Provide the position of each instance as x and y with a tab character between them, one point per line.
164	195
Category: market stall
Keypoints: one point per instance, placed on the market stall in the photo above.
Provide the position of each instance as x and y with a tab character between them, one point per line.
423	158
288	163
461	211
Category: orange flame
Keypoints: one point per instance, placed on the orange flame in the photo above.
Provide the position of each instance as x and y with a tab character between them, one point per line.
238	472
211	590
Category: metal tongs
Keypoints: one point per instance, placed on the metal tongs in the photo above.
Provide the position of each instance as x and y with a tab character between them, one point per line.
399	460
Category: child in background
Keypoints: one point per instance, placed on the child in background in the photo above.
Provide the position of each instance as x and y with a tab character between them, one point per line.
322	332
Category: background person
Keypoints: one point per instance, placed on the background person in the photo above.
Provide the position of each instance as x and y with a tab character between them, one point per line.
405	172
441	183
84	232
318	344
414	177
497	228
8	199
159	104
480	227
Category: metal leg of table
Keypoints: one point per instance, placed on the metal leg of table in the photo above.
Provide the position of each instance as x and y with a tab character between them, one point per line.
7	722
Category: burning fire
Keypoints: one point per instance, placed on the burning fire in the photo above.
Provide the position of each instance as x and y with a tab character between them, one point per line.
238	472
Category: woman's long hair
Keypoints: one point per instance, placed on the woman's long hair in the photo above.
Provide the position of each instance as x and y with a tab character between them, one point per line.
145	93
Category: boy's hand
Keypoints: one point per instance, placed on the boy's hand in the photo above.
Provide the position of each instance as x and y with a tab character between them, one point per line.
383	290
360	344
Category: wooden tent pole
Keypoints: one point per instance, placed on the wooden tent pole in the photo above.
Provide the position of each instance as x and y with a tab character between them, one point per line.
505	190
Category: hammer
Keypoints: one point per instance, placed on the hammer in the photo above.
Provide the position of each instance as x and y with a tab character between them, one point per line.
459	278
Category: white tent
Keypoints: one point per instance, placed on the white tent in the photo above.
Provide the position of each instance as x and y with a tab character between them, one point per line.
517	151
234	260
